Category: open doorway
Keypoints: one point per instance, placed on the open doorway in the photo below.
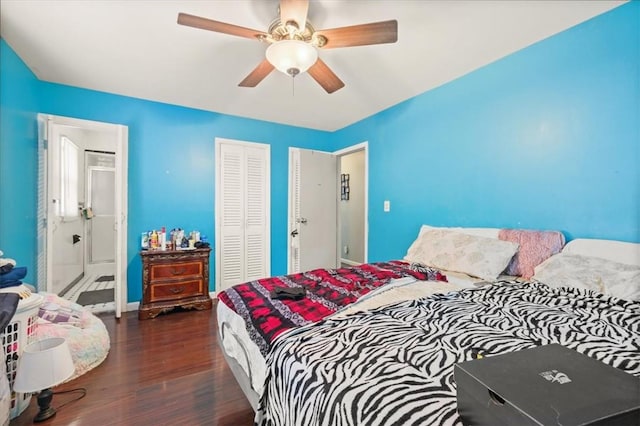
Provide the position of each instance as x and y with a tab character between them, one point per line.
82	208
316	192
352	214
351	207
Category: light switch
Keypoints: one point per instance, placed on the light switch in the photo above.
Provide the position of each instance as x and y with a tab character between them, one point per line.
387	205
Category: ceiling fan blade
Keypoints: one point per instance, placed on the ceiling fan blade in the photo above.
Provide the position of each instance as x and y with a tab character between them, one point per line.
294	10
325	77
219	27
257	75
361	35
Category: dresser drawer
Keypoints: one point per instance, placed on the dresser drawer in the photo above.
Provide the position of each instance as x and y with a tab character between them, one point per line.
176	290
172	279
176	270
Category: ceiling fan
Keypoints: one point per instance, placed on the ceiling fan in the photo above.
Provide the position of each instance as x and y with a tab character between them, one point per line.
294	43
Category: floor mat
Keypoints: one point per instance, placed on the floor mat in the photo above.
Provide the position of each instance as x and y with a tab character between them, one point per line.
94	297
105	278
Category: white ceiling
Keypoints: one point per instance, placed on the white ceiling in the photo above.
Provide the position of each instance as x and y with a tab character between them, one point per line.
136	48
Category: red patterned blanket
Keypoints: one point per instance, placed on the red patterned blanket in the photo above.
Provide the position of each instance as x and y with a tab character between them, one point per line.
327	291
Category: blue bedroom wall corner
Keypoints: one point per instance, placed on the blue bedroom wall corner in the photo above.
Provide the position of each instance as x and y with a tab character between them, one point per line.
19	90
546	138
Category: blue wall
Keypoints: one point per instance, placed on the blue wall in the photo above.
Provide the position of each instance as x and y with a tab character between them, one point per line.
546	138
19	90
171	162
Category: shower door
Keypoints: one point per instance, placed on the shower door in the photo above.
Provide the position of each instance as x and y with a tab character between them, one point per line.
101	228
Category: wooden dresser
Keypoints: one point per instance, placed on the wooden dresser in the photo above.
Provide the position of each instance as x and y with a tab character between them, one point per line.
174	278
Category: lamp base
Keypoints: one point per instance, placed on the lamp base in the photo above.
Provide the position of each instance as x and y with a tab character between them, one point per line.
44	415
44	402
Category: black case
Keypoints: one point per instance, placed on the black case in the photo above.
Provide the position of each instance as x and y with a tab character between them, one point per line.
546	385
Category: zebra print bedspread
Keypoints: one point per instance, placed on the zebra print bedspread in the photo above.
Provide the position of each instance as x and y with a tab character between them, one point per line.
394	365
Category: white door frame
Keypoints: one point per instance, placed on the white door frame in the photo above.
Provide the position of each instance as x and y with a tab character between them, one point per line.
290	207
362	146
46	206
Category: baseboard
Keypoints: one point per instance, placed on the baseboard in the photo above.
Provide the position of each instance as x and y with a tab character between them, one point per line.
349	262
133	306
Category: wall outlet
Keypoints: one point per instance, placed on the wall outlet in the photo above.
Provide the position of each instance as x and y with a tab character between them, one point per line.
387	205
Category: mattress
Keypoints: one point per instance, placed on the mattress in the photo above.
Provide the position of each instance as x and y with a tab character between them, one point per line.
238	345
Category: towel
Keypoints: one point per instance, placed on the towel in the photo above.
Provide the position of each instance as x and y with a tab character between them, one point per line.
8	306
14	274
7	261
535	248
11	283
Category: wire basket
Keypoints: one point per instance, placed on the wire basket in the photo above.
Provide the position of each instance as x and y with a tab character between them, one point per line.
20	332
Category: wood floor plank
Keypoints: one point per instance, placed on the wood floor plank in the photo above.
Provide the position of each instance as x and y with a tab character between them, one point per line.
167	370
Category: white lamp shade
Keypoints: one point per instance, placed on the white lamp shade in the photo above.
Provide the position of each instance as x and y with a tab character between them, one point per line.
291	54
43	364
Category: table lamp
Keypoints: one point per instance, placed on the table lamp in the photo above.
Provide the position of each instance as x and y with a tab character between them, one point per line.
42	365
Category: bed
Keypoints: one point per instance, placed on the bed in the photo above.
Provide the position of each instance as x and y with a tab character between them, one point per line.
388	357
246	332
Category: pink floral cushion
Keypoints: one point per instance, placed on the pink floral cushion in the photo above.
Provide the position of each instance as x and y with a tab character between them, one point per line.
86	334
535	248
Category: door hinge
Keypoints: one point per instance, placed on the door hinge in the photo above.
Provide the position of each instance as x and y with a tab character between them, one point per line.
45	144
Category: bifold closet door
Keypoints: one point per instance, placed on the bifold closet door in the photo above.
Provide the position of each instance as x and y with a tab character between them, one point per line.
243	213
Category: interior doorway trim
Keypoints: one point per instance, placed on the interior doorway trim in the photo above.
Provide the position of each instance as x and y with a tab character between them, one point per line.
46	125
362	146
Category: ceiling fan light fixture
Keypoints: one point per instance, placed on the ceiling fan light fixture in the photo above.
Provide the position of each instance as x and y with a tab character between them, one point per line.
292	57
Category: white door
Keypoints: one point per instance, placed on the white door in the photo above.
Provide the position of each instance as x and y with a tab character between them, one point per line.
122	206
242	212
51	128
313	196
67	259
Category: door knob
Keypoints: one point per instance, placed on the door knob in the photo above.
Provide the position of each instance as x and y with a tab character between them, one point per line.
76	238
294	232
302	220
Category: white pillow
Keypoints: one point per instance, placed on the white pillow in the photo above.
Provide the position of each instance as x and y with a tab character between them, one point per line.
591	273
617	251
480	232
481	257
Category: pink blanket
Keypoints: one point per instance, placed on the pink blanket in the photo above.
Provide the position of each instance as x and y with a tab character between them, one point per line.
535	248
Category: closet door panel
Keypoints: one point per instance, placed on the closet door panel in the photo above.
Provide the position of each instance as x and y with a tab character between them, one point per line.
231	226
255	202
243	222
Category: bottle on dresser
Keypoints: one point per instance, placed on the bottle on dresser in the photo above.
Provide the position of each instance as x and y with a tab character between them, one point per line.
153	240
163	239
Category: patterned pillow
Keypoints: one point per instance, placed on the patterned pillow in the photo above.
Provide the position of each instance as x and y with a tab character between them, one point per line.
591	273
481	257
535	248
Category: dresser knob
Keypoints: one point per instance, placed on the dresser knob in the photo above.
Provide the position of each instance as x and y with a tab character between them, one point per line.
176	290
177	271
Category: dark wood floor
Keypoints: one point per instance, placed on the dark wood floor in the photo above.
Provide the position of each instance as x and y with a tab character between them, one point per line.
167	370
